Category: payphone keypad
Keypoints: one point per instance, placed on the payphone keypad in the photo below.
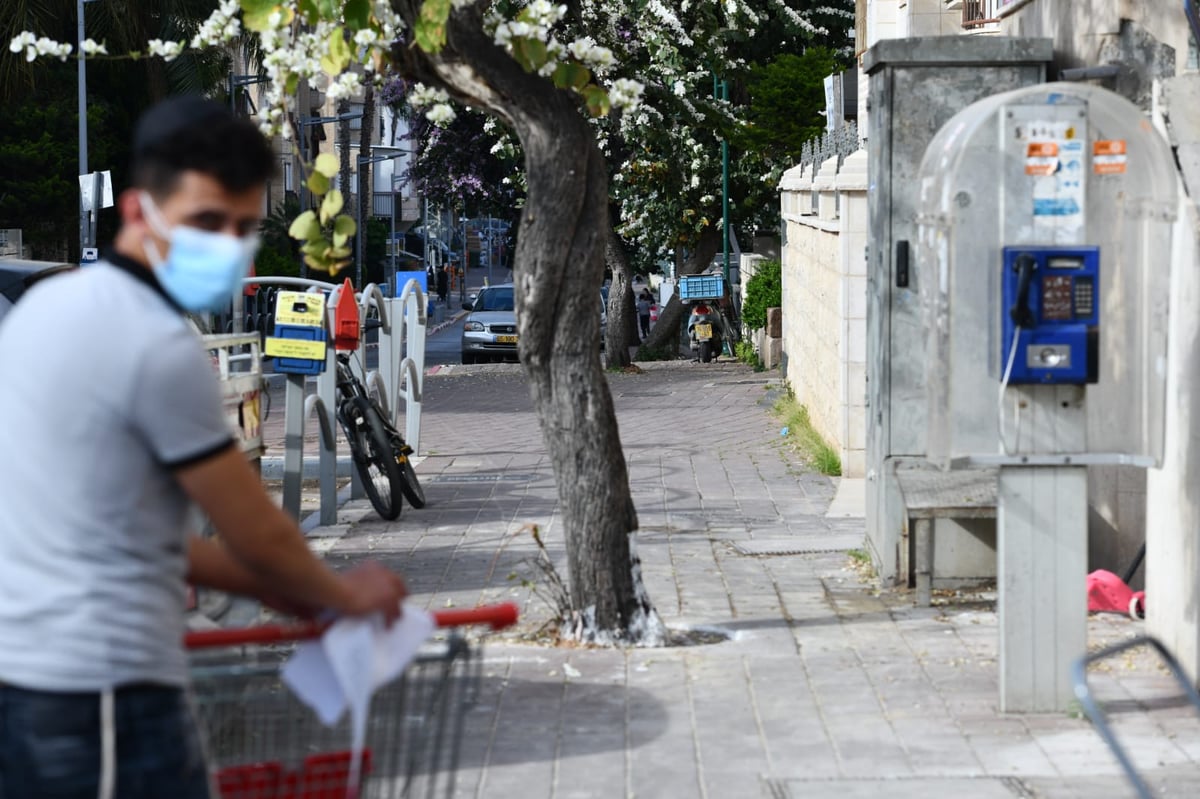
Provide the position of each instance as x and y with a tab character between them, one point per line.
1085	296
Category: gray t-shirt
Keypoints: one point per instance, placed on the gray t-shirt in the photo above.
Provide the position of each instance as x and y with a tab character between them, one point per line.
105	391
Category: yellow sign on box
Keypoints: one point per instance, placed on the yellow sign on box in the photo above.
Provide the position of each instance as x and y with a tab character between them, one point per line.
300	308
295	348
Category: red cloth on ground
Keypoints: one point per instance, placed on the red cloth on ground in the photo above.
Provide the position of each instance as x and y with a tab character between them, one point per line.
1108	593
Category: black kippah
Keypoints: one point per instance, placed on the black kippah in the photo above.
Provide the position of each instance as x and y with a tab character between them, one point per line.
172	116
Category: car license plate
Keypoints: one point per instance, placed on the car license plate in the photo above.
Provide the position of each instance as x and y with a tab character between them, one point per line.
703	331
506	339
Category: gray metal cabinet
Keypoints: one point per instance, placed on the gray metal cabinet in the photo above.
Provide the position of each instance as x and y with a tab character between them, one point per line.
915	86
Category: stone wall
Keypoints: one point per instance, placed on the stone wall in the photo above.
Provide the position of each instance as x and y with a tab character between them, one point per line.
824	300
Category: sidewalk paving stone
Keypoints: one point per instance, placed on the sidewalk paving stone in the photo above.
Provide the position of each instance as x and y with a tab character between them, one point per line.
827	687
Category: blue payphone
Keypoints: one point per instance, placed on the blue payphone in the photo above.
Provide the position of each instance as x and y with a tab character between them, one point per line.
1051	308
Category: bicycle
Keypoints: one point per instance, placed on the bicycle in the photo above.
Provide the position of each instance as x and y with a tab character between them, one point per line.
379	452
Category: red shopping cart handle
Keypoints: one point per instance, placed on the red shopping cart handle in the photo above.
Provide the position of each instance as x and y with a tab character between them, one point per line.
495	616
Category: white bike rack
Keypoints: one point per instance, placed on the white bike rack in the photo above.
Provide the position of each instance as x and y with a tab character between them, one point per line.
399	376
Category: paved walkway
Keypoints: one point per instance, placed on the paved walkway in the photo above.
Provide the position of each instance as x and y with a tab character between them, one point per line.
829	687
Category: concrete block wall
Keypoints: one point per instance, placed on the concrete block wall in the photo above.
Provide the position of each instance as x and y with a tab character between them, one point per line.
824	300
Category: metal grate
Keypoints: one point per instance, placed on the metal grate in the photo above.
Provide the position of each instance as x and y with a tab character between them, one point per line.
975	14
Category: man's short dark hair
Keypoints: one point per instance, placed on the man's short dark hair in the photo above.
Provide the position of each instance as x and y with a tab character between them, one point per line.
191	133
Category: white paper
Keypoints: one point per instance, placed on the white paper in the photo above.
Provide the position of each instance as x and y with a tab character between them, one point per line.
353	659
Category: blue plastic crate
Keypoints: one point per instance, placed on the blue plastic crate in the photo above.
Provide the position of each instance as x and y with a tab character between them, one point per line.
701	287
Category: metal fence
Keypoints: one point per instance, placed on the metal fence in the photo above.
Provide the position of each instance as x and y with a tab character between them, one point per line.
840	142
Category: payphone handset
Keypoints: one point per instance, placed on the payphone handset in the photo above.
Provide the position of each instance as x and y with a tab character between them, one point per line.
1050	315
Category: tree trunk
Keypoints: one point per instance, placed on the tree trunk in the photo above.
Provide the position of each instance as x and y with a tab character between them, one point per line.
665	335
364	180
557	269
622	309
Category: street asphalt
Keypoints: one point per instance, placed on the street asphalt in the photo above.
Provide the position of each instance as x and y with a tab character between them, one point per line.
820	682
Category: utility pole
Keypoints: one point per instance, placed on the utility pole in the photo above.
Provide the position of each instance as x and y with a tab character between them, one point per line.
360	234
725	188
83	151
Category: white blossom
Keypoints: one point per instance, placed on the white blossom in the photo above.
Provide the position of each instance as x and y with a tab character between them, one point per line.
626	93
35	46
221	27
91	47
168	50
348	84
422	95
441	114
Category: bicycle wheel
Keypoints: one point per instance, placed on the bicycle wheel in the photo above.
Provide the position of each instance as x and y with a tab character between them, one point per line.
374	459
408	480
409	485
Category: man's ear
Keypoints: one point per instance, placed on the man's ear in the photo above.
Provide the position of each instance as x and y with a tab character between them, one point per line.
131	209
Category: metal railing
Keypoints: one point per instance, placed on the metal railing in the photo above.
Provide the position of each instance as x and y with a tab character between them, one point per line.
841	142
975	14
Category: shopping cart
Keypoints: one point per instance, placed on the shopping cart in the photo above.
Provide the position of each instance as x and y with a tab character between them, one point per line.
1094	711
264	743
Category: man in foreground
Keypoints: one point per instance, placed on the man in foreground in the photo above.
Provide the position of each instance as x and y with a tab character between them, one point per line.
113	427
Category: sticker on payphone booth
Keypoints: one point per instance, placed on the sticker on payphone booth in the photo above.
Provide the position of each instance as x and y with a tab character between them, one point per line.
1050	315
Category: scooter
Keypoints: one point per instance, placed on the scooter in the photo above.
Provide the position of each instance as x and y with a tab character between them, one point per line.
704	328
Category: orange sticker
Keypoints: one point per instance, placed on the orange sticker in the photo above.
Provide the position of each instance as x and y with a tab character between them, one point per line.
1041	158
1108	156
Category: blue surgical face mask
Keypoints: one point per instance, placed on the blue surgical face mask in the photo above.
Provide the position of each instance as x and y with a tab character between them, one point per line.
202	269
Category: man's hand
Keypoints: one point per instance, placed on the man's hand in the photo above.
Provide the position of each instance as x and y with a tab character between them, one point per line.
373	587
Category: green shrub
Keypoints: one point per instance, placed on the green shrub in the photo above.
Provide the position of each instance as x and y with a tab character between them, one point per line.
764	290
746	354
269	261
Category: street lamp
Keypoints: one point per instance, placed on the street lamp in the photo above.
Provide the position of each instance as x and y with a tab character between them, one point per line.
238	310
303	123
240	82
721	92
359	235
84	226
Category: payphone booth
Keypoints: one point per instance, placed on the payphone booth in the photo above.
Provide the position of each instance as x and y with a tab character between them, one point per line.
1045	221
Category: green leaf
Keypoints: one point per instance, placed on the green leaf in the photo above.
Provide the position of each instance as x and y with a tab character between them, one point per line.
315	247
319	263
571	76
256	12
331	206
335	62
538	55
327	8
597	100
327	165
292	83
318	183
430	28
303	226
531	54
357	14
340	239
308	9
345	225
